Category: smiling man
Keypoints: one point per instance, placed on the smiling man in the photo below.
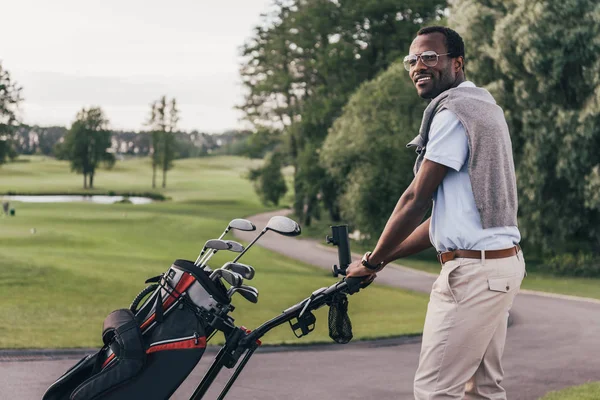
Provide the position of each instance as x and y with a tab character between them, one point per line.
465	166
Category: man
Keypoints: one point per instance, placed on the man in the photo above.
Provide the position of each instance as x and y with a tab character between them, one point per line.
465	166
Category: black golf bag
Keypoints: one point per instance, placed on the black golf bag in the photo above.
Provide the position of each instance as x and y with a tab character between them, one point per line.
149	351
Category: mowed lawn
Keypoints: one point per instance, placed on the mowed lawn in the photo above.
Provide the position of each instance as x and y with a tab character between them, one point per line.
65	266
590	391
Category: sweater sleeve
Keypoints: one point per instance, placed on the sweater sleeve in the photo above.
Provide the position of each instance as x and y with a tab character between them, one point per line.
447	143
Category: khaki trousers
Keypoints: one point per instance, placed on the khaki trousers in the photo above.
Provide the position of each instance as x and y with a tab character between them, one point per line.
465	329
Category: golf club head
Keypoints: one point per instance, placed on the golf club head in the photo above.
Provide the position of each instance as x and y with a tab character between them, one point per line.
246	271
217	244
242	225
213	244
246	293
233	278
284	226
248	287
235	246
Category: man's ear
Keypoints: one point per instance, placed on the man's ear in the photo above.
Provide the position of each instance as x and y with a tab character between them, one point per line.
458	63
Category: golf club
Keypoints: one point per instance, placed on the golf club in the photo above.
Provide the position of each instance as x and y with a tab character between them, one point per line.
245	292
246	271
233	246
237	223
233	278
248	287
214	244
240	225
282	225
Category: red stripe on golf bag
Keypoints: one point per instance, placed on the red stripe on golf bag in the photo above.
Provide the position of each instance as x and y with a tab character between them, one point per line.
184	283
149	364
194	343
108	360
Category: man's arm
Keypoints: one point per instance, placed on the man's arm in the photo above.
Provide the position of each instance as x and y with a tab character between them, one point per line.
405	218
409	211
415	243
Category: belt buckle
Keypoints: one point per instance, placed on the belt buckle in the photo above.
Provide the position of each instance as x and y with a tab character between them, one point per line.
439	257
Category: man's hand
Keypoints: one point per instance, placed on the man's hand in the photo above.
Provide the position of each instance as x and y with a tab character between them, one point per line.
357	270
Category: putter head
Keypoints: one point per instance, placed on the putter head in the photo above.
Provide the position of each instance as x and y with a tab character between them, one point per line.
284	226
246	271
235	246
242	225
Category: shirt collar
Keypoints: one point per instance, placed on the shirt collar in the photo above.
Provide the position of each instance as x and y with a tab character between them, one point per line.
467	84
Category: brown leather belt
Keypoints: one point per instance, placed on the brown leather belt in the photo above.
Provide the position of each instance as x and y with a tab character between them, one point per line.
489	254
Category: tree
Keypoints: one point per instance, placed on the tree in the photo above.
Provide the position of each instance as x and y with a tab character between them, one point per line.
365	151
269	180
307	59
163	120
87	142
168	154
541	60
261	142
10	98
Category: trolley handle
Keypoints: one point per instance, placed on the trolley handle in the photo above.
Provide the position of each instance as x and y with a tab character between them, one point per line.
355	283
339	238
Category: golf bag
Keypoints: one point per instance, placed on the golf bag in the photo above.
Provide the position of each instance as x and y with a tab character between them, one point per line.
148	352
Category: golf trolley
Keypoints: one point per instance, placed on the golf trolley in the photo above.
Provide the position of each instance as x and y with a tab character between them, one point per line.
149	350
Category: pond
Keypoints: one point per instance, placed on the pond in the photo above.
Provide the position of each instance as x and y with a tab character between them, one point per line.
71	198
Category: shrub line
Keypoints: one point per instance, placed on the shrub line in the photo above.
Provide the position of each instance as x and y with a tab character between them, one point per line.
150	195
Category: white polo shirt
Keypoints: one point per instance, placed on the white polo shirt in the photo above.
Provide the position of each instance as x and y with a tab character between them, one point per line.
455	220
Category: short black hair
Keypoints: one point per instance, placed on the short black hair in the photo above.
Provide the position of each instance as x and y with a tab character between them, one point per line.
454	43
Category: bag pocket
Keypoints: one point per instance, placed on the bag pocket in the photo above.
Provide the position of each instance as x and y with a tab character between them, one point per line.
122	334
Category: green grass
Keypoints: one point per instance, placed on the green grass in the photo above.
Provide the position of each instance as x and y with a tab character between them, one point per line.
590	391
85	260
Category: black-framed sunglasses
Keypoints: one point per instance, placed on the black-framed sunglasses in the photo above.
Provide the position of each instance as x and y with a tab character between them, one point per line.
430	58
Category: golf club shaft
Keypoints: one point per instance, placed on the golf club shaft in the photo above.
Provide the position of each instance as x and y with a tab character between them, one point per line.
200	256
224	233
250	245
206	258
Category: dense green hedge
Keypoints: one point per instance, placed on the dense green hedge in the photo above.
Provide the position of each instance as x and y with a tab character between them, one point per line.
580	264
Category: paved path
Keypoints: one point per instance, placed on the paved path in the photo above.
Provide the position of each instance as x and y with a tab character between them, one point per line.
553	343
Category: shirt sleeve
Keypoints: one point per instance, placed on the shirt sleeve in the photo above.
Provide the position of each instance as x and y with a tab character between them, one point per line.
447	144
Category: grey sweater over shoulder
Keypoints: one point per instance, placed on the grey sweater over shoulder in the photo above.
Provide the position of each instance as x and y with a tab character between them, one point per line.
491	165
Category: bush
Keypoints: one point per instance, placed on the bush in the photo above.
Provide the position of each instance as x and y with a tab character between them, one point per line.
365	150
580	264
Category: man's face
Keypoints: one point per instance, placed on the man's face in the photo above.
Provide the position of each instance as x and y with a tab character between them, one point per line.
431	81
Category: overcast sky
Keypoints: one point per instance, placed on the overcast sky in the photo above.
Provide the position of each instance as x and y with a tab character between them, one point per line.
122	55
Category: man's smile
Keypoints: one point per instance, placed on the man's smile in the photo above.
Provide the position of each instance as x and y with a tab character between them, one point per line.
422	79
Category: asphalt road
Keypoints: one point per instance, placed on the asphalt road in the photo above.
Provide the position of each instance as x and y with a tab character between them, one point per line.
553	342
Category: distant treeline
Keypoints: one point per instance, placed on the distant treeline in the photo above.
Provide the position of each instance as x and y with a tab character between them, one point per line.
29	140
